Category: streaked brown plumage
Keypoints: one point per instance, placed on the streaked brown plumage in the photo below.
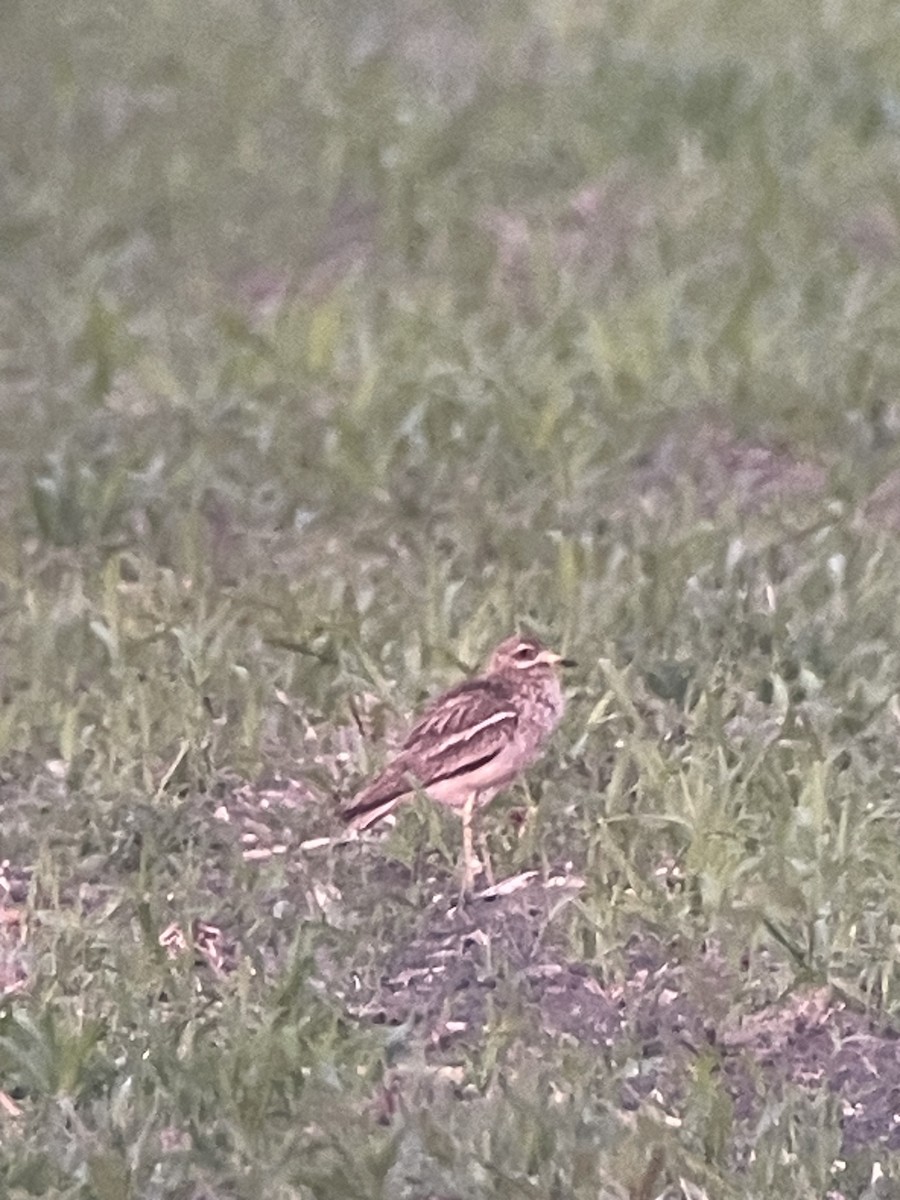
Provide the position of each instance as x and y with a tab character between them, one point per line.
472	740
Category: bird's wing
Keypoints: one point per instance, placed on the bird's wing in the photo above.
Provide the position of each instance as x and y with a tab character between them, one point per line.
462	731
469	724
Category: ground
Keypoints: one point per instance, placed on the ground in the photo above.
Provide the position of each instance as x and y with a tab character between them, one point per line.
338	342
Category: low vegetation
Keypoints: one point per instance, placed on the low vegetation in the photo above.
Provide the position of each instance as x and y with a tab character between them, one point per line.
338	342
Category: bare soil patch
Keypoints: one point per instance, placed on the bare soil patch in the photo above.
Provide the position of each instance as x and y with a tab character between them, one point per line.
669	1011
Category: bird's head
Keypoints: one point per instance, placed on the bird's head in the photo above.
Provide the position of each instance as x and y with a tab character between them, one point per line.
525	654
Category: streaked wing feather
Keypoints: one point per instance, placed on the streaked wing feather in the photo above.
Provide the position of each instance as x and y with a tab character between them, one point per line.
462	731
464	708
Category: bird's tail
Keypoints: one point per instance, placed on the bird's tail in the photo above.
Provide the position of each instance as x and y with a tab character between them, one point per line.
375	801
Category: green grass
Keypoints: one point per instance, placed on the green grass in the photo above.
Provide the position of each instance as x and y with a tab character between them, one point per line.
554	277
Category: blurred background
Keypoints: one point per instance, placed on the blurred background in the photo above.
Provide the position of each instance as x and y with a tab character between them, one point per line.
402	321
337	340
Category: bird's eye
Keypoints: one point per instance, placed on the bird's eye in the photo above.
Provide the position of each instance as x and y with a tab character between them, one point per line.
523	653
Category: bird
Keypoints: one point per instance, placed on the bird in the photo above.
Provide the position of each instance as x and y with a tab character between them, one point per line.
472	740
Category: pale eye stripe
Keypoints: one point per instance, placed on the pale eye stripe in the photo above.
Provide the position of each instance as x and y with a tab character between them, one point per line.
471	730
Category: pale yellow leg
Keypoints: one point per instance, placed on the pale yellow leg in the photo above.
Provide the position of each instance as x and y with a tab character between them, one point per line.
468	878
485	855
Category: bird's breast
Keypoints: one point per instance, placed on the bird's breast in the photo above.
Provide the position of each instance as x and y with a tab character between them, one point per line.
542	712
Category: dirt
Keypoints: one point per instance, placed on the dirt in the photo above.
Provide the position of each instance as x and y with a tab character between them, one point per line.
667	1012
668	1009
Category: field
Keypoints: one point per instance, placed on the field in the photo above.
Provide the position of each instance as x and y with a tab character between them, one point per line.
339	341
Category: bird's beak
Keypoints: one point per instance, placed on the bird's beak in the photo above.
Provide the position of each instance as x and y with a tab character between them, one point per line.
554	659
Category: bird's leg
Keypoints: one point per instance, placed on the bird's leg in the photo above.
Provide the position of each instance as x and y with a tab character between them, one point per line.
485	855
468	850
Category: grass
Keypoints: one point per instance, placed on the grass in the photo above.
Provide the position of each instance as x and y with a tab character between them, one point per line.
336	343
